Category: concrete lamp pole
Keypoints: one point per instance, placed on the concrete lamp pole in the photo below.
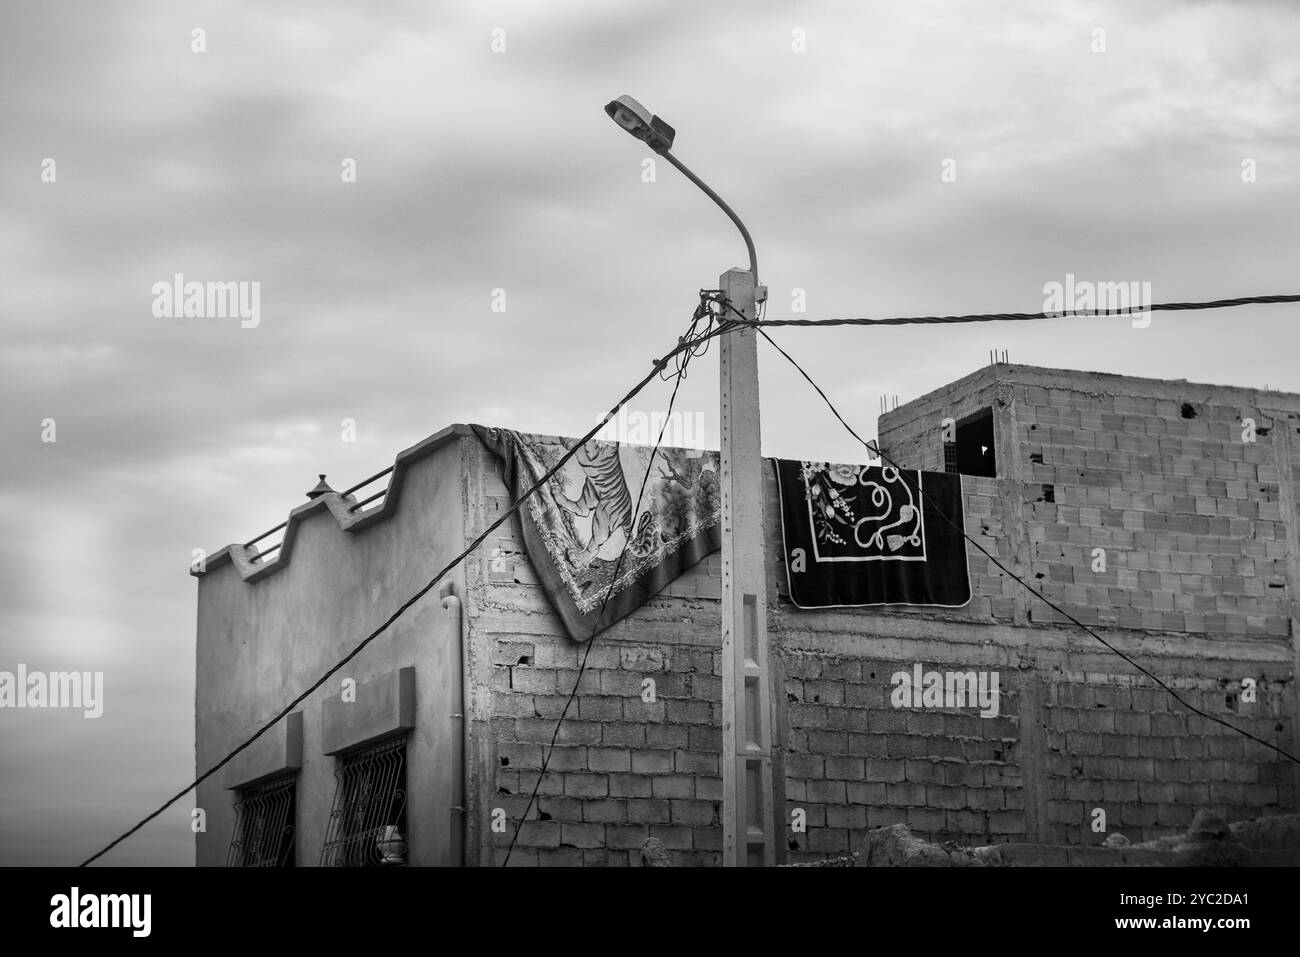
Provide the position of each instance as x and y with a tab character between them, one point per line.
749	816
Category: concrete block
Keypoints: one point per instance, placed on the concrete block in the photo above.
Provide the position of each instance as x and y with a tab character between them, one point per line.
867	792
583	835
692	813
673	786
884	770
652	761
609	759
646	810
696	762
827	792
583	785
627	837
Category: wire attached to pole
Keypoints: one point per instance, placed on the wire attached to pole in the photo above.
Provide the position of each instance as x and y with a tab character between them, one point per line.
874	449
686	357
682	346
1027	316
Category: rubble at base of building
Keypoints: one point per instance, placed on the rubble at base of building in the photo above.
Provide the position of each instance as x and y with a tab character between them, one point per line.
654	854
1209	842
850	861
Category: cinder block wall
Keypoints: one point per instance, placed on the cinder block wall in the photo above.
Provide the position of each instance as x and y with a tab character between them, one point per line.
624	769
1189	510
1197	525
1078	728
1155	473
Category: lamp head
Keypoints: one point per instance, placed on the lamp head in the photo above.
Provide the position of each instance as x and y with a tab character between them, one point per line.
637	120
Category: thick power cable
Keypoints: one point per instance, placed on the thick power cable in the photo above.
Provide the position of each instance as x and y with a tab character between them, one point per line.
683	345
1024	316
875	450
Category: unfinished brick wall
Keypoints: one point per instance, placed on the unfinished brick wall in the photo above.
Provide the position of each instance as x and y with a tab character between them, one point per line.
1188	512
1186	593
1119	743
855	762
1197	525
624	769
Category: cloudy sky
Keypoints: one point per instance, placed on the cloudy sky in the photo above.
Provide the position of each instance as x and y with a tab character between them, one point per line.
479	170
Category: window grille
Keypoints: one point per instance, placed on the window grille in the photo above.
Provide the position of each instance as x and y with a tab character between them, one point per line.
264	825
367	825
950	456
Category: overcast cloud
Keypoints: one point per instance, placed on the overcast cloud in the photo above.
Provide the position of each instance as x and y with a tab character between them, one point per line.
479	170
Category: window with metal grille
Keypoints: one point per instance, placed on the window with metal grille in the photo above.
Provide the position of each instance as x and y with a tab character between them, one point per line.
264	825
367	825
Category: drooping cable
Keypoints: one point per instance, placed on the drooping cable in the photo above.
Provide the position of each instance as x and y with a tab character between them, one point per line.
686	357
659	364
875	450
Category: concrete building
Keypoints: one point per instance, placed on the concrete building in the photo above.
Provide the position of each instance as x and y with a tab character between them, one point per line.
1161	514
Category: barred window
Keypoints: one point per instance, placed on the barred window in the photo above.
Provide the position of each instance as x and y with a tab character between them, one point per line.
264	825
367	825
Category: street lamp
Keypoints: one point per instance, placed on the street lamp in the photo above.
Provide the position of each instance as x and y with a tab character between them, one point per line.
752	811
658	135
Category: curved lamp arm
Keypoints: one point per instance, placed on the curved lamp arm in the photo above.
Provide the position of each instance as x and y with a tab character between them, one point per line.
749	243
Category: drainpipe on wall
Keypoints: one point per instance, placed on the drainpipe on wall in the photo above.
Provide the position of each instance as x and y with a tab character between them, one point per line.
459	726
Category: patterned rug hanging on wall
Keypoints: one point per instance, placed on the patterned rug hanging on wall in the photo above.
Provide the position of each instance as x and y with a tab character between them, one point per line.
857	535
576	525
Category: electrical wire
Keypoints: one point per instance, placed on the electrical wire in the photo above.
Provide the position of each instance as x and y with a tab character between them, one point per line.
707	309
685	359
1022	316
683	345
874	449
691	344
